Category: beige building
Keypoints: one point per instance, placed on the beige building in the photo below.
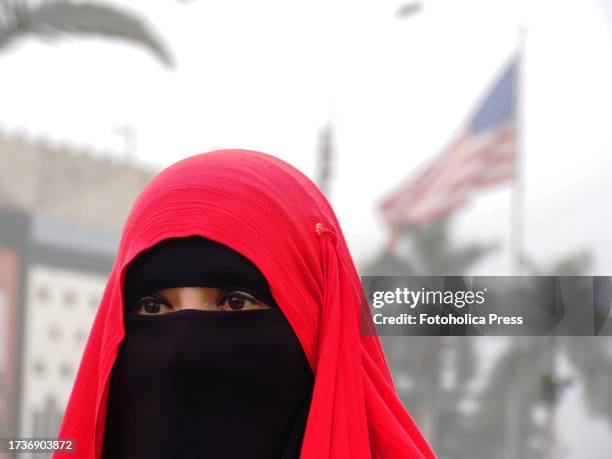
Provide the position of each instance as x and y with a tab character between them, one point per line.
61	213
69	184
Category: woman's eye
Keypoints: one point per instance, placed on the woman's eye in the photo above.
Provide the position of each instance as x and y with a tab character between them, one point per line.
239	301
151	305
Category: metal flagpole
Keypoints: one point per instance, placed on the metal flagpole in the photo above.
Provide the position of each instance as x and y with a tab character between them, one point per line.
325	154
518	185
516	232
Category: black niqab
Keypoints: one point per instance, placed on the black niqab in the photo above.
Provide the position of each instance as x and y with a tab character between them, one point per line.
205	384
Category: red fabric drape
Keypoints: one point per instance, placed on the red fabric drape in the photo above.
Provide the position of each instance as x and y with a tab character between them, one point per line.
274	215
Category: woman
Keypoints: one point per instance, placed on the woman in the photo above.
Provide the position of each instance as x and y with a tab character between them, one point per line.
246	203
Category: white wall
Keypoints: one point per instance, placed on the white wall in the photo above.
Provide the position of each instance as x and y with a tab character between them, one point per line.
60	308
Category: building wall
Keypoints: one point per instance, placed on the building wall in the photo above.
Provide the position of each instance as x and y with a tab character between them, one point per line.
74	185
67	268
9	278
61	214
61	306
14	236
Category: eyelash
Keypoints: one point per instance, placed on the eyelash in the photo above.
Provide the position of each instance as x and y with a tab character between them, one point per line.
158	298
237	294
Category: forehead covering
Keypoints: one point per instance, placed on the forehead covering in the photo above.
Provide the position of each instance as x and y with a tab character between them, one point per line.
265	209
192	262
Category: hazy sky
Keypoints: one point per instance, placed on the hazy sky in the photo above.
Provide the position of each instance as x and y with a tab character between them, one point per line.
268	75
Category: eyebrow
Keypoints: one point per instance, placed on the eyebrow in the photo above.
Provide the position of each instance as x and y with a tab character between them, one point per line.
156	295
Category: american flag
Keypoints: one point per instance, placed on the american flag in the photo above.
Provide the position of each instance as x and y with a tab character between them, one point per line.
482	154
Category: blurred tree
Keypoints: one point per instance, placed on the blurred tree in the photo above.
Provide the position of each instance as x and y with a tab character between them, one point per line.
408	9
427	250
524	380
504	421
55	19
514	415
433	373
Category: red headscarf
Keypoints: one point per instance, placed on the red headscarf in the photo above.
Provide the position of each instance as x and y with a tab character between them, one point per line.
270	212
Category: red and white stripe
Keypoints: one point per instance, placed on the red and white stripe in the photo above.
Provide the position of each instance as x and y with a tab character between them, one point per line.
447	181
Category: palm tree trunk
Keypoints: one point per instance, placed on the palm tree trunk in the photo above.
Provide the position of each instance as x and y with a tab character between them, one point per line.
551	408
512	423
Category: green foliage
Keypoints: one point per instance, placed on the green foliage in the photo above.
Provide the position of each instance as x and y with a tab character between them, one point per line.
57	19
427	250
529	365
511	414
433	374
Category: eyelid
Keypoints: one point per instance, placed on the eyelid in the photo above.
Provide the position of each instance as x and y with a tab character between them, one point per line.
153	296
239	293
224	295
158	296
242	294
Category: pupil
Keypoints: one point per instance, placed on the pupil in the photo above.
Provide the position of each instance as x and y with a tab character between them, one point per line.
151	307
236	302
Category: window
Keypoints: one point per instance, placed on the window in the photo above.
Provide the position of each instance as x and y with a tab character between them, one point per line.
69	298
55	332
39	367
42	294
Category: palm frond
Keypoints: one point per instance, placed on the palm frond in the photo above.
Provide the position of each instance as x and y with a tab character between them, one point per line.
57	19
